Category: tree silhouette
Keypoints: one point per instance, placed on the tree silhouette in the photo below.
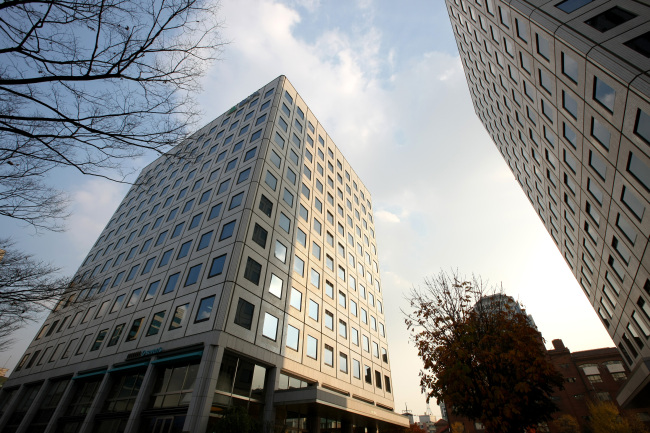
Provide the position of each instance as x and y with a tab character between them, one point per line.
481	354
88	84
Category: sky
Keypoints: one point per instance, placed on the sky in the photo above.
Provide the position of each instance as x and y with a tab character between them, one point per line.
385	80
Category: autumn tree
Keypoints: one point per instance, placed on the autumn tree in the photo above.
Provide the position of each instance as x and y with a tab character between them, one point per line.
481	354
567	424
89	84
604	417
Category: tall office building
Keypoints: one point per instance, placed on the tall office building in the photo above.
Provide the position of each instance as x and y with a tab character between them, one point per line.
240	270
562	86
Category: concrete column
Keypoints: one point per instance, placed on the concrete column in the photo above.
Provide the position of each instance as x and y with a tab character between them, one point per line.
33	408
11	406
270	385
98	402
346	426
198	412
141	400
313	420
62	406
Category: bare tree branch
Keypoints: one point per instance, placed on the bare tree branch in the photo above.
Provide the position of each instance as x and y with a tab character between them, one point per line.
87	84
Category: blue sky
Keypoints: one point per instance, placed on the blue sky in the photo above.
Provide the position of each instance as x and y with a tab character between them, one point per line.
385	80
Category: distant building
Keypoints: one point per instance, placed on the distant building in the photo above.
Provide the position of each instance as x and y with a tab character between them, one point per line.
427	423
589	375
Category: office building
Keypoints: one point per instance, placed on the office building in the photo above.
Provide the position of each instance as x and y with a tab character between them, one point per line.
562	87
241	269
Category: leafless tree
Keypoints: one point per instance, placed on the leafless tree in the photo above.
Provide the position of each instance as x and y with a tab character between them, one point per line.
88	84
29	287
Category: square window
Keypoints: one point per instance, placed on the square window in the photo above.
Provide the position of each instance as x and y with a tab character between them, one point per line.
253	271
640	44
543	47
280	251
328	355
259	235
642	125
215	211
205	309
217	266
299	266
312	347
293	337
204	241
604	94
275	286
313	309
244	314
609	19
171	283
569	6
227	231
600	132
266	206
270	328
179	315
296	299
193	275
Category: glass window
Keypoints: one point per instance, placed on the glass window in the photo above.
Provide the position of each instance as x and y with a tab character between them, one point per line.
171	283
193	275
328	355
270	327
609	19
569	6
604	94
293	337
266	206
299	266
296	299
156	323
275	286
313	309
343	329
253	271
244	314
226	232
259	235
343	362
637	168
205	309
640	44
217	266
543	47
329	320
312	347
280	251
642	125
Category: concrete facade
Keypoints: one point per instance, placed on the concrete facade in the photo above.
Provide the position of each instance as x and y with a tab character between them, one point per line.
563	89
240	270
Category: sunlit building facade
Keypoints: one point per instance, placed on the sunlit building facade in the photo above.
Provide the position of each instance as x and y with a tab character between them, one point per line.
240	270
563	89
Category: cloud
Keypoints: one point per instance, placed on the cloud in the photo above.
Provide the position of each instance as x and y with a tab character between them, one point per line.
385	216
95	200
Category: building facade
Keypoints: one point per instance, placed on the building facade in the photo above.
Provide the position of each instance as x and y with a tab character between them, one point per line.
589	376
562	87
241	269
